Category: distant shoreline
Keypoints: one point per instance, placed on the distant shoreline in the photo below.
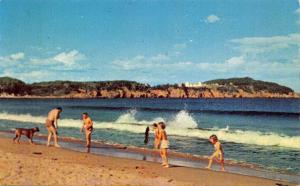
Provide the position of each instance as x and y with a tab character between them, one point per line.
221	88
60	97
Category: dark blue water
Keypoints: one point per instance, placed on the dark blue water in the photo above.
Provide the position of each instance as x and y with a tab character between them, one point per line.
264	132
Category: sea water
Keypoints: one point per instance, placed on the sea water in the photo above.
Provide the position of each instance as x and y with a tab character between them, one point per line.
261	132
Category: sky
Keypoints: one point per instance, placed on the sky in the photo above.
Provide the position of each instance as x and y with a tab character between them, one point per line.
151	41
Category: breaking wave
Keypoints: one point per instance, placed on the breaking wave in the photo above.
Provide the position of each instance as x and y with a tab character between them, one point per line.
183	124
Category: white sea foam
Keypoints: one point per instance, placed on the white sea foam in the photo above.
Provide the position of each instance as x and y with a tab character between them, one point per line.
183	120
22	118
177	126
130	118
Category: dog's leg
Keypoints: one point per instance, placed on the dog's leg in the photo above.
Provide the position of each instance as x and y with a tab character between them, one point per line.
29	136
31	142
17	133
14	140
18	140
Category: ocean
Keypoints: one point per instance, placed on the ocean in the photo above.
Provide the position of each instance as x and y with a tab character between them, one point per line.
259	132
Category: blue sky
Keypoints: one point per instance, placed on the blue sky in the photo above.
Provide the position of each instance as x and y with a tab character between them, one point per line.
154	42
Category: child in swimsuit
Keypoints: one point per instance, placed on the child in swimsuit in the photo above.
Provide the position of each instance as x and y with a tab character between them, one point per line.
156	136
164	144
88	126
218	155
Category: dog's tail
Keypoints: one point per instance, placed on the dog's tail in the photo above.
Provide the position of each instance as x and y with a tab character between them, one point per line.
146	136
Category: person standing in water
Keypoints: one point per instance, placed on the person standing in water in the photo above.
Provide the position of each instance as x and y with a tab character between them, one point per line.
156	136
88	126
51	125
218	155
164	144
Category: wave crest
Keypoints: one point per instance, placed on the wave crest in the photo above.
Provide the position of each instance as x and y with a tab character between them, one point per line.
183	124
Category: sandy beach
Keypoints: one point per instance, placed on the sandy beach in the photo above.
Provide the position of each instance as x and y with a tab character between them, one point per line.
24	164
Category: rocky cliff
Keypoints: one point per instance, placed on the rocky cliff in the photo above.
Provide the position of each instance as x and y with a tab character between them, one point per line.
222	88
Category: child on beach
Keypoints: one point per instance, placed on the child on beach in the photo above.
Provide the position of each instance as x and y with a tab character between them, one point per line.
218	155
164	144
88	126
156	136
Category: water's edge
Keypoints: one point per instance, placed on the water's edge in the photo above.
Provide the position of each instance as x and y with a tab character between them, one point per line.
176	159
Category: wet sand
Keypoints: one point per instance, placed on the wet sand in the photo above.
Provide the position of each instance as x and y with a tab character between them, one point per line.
25	164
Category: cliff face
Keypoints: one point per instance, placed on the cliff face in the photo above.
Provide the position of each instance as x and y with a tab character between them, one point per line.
231	88
169	93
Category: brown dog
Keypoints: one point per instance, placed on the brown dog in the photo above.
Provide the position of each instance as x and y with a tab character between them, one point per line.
27	132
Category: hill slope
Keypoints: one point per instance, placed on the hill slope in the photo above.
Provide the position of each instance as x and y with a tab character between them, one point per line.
250	85
219	88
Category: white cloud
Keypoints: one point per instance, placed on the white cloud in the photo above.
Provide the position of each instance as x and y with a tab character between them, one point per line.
160	57
212	19
130	64
236	60
259	45
11	59
31	75
265	69
275	58
17	56
69	58
140	62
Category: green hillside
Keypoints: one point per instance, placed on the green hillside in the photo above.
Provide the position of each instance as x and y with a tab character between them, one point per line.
13	86
249	85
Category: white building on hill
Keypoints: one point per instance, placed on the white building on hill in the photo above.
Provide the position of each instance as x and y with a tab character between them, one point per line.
195	85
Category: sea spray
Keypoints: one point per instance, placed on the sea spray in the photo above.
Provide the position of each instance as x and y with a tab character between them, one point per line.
130	118
183	120
236	136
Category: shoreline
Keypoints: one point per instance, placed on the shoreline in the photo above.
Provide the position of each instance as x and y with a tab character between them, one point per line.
19	162
176	159
109	98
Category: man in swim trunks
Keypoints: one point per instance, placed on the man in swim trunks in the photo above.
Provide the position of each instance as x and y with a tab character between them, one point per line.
88	126
51	125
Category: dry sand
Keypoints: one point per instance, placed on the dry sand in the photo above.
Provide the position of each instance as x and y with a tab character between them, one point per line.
24	164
